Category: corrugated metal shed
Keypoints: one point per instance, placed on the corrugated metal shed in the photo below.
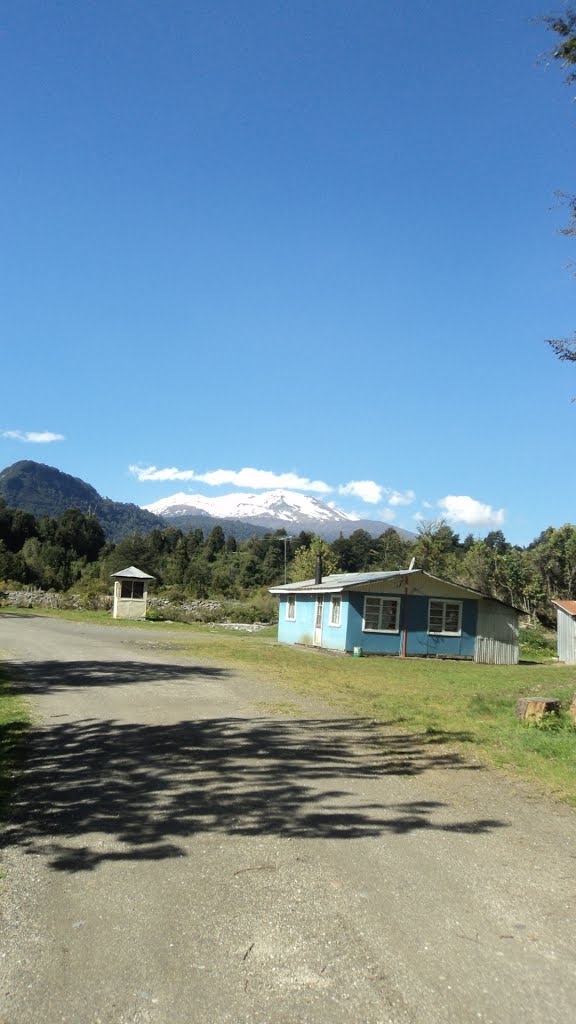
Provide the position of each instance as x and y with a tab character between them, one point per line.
566	636
496	634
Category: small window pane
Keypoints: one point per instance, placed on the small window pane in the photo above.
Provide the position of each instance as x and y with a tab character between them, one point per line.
436	616
381	614
452	617
372	613
388	620
445	617
335	611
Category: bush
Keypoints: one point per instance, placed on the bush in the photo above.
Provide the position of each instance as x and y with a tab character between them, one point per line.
538	640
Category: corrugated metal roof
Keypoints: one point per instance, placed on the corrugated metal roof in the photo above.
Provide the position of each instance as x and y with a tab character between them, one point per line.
356	580
340	581
567	606
132	573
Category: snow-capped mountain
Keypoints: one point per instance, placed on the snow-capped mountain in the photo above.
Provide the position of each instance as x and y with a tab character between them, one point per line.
288	506
272	510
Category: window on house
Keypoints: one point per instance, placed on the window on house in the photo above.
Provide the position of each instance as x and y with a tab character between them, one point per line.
291	607
335	610
381	615
132	589
445	618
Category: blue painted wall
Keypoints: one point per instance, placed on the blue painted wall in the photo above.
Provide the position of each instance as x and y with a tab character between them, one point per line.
349	634
371	643
301	630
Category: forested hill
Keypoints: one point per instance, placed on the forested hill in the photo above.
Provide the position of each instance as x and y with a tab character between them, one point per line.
46	491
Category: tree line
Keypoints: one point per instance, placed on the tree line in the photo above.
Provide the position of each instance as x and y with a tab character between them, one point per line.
71	552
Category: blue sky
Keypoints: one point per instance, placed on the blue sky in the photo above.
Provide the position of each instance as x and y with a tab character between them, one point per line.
257	243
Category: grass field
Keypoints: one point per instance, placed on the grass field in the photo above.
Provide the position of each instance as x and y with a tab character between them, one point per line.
14	719
470	707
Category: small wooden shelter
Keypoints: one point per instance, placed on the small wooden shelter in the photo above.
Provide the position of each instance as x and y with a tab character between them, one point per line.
566	637
130	593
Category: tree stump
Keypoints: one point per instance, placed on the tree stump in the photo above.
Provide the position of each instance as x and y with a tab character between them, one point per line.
533	709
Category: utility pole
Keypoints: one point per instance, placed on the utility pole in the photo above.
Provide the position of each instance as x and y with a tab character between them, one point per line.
285	540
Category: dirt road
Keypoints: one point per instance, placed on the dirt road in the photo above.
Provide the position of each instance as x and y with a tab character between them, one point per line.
193	846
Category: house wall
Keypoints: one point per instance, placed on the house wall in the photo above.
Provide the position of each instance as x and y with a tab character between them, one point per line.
566	637
489	630
301	630
418	643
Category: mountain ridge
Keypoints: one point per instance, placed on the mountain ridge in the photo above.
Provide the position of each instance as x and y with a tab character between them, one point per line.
276	509
45	490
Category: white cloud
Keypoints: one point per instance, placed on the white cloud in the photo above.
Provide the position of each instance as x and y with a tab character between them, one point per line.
151	473
388	514
400	497
33	436
367	490
460	508
253	479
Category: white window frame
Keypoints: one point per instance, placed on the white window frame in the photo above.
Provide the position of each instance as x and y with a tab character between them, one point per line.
291	608
444	602
382	600
336	603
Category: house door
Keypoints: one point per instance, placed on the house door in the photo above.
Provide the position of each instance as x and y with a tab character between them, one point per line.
318	622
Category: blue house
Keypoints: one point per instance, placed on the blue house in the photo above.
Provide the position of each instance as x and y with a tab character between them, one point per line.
408	613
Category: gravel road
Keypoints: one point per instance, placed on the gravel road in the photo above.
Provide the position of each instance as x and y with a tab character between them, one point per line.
190	845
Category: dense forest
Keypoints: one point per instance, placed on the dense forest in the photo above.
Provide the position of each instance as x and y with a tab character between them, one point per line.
71	553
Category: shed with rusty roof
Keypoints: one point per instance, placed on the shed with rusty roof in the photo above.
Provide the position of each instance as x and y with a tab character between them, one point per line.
566	636
406	613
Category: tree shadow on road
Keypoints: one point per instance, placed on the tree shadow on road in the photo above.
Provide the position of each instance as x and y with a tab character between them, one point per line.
55	676
101	790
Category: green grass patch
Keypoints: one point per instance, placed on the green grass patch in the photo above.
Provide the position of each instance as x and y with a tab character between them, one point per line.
467	706
14	720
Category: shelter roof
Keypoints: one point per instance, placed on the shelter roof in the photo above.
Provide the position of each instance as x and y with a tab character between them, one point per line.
131	573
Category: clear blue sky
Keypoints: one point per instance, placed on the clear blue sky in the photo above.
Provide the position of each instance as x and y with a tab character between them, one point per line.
313	238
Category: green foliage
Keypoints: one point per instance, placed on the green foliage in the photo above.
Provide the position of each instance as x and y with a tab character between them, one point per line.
71	552
537	643
564	25
564	51
32	487
304	563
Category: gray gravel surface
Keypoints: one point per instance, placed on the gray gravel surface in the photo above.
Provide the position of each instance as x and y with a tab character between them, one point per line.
190	845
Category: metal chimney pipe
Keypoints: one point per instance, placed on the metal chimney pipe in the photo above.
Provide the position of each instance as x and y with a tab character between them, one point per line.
318	578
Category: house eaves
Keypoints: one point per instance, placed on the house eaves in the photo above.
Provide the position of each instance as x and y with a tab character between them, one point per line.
340	581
